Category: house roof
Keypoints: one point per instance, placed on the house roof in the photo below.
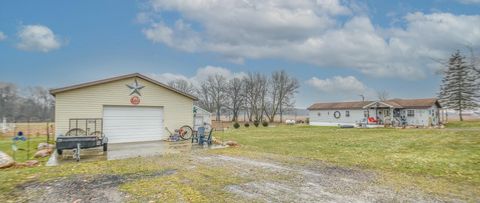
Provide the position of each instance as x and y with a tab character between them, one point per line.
415	103
138	75
340	105
393	103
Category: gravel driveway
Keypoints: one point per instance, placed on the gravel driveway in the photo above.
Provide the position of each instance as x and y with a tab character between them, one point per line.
312	183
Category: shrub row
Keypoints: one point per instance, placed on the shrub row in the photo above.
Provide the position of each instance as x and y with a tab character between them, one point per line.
236	125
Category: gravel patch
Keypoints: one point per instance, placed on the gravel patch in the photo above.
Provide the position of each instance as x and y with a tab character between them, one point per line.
320	184
83	188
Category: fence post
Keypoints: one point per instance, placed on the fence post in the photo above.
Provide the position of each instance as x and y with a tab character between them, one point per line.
48	133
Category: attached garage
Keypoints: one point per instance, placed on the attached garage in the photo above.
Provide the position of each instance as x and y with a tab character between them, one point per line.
129	108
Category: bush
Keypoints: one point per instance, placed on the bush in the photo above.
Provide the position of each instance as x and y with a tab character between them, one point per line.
307	121
256	123
247	125
236	125
265	124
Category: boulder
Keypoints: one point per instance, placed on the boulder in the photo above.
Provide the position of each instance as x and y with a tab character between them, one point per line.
31	163
231	143
5	160
44	145
43	153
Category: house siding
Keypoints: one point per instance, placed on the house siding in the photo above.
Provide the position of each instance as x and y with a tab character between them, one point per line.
327	117
422	116
88	102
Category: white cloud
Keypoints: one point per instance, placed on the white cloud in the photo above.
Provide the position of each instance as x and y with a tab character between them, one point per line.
469	1
2	36
37	38
338	84
201	75
312	32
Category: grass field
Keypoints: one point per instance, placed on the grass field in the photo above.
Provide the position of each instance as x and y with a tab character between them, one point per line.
450	157
22	153
443	162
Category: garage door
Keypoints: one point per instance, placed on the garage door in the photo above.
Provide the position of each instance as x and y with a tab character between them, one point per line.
133	124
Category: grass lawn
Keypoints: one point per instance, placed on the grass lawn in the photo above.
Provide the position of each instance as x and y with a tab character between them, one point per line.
443	162
440	161
22	153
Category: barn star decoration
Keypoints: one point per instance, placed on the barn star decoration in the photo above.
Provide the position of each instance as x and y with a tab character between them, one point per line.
135	88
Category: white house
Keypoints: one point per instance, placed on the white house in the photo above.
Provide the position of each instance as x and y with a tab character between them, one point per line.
396	112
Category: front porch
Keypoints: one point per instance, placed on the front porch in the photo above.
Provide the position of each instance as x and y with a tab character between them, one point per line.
383	114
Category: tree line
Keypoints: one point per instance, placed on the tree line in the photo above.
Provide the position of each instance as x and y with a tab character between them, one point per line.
23	105
261	97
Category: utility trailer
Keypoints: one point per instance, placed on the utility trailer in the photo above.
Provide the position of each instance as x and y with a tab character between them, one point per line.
77	138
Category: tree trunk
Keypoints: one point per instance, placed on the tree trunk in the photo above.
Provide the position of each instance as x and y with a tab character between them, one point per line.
460	114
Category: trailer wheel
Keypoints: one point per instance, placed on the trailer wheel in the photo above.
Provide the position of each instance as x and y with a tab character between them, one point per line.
105	147
59	151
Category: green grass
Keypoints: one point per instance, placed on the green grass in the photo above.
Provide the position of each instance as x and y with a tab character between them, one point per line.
464	124
448	157
444	162
22	153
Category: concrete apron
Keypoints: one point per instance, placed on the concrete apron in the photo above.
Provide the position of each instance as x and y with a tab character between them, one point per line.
128	150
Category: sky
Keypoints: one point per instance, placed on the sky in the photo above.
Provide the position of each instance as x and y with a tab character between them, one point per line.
337	49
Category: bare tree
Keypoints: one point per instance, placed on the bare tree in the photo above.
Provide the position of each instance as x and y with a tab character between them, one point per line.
281	88
34	102
216	88
204	98
183	86
383	95
235	97
8	100
255	91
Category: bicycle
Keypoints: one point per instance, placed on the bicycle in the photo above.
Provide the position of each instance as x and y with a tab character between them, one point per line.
185	132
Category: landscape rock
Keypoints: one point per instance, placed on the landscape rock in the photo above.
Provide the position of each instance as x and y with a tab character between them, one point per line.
231	143
29	163
45	145
5	160
43	153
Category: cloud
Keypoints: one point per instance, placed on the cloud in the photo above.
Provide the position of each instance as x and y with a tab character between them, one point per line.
469	1
201	75
325	33
2	36
338	84
37	38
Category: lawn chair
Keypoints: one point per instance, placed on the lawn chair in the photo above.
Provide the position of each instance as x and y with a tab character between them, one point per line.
209	138
200	133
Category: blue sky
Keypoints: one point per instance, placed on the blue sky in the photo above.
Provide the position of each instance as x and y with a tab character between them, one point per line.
337	49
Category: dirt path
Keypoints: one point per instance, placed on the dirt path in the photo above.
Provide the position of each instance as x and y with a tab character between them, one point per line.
319	184
316	182
83	188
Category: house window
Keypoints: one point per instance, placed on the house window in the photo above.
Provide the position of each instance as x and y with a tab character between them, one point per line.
365	113
410	113
347	113
319	114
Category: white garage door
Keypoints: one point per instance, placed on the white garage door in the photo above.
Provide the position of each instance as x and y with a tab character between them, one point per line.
133	124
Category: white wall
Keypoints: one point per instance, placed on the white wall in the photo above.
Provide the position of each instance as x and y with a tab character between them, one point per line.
326	117
422	117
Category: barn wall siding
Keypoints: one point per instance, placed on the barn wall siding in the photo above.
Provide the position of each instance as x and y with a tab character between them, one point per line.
88	102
